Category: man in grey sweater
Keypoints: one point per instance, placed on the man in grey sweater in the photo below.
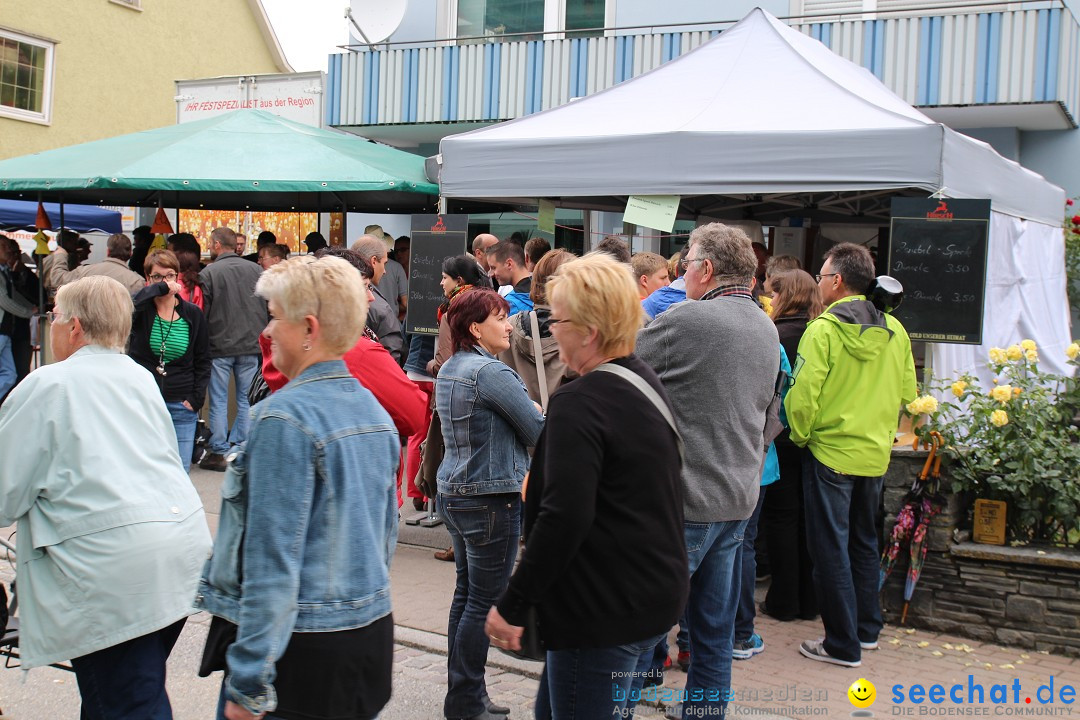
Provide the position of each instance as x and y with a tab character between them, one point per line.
716	355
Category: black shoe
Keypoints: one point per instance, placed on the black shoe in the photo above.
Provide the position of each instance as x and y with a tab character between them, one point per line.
214	461
655	678
496	709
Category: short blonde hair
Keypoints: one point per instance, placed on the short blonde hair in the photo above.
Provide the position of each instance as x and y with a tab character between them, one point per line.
599	293
328	288
103	307
647	263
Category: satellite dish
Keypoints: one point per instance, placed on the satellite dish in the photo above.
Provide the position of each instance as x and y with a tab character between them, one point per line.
376	20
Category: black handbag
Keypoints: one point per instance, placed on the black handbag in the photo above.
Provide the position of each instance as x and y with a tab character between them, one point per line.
532	647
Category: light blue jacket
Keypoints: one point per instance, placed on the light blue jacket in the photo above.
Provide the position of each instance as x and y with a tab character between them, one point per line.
309	514
111	533
771	472
488	424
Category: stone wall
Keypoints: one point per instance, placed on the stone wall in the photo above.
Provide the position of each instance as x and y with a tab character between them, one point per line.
1024	597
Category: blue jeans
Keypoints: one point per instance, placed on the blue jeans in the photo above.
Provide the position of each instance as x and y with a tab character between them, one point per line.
744	617
127	681
713	549
242	368
183	421
8	377
842	538
485	531
590	683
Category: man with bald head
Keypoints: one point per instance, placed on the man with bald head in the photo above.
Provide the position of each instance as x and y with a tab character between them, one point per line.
480	245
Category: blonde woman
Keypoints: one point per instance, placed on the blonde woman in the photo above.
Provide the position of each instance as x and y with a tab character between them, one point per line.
310	516
605	561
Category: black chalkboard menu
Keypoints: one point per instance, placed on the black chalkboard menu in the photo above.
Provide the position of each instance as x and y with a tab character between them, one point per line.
434	238
938	251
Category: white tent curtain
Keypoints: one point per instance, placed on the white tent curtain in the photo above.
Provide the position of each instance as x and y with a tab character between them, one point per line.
1025	298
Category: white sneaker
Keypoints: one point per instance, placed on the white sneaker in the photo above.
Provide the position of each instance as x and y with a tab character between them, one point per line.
815	650
868	645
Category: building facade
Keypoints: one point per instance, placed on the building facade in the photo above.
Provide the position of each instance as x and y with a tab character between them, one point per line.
1007	73
56	56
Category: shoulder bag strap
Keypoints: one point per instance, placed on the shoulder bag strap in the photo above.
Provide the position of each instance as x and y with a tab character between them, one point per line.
654	397
541	376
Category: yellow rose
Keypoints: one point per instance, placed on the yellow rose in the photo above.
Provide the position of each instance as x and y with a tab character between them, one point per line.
1016	391
999	418
1032	356
1028	345
1014	352
1001	393
923	404
997	356
1072	351
959	387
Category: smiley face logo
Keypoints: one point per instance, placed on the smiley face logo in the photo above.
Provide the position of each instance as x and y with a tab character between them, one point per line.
862	693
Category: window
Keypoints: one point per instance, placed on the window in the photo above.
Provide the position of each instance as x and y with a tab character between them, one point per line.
492	18
25	77
585	15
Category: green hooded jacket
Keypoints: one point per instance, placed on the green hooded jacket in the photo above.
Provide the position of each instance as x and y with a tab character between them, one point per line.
853	372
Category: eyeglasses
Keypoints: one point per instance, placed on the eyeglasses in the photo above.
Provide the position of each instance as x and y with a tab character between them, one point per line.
54	317
685	262
821	275
167	277
556	321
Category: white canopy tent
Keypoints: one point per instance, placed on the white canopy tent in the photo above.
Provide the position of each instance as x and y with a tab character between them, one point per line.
760	116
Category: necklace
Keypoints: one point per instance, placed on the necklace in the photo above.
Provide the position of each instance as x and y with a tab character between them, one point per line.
165	332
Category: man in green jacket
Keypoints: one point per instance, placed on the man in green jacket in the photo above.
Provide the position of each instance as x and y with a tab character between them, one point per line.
853	372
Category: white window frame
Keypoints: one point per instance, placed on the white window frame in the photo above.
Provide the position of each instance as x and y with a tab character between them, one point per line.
554	18
45	116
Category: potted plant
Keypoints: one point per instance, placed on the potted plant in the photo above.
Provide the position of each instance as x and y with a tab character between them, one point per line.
1014	441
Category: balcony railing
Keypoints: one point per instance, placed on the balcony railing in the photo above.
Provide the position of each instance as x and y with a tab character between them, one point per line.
951	58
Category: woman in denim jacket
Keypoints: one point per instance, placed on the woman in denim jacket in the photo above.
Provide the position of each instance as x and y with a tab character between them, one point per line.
299	582
488	424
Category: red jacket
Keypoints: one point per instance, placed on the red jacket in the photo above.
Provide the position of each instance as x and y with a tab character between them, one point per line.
372	365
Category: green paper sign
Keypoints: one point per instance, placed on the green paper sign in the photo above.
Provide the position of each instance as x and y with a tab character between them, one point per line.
652	211
546	217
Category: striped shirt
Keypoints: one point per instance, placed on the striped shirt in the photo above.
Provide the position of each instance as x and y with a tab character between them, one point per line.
175	334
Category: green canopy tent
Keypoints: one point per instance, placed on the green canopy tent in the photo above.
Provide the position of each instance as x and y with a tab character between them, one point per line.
242	160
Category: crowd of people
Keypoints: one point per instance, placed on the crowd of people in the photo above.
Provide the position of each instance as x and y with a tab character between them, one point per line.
603	436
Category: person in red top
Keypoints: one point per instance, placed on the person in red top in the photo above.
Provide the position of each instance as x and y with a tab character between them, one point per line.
375	368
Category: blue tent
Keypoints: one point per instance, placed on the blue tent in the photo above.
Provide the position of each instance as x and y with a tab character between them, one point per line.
22	214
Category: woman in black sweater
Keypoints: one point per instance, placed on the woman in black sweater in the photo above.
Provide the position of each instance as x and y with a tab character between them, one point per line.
169	339
796	301
605	558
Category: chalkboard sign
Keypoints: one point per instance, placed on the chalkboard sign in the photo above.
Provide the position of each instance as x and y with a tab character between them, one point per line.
937	250
434	238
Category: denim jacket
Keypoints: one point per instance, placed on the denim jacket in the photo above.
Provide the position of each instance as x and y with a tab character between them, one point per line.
308	525
488	424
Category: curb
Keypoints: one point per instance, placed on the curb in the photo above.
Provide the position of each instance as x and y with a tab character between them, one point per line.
436	643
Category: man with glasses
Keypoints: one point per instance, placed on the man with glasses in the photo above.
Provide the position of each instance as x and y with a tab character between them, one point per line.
235	318
853	372
115	265
718	360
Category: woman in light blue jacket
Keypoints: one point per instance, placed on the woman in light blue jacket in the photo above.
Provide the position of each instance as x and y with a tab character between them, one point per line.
111	533
488	424
299	584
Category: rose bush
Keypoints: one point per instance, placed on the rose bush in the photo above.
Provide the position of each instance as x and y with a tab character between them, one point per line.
1015	442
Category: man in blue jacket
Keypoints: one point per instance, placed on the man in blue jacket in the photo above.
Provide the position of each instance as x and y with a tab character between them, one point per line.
507	263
